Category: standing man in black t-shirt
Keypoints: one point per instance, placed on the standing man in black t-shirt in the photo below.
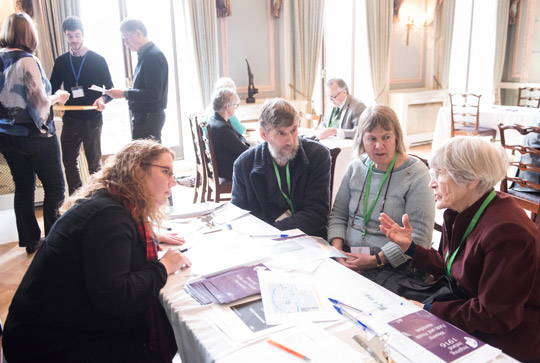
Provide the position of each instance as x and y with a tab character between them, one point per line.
147	99
78	70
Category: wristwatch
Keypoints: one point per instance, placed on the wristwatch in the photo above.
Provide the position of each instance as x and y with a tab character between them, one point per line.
379	262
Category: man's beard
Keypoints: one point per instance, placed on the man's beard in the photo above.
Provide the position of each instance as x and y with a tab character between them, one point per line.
283	156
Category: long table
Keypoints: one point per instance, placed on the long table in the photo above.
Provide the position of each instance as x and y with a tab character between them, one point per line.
490	116
199	341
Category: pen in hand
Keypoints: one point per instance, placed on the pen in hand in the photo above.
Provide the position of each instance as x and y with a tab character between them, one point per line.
288	350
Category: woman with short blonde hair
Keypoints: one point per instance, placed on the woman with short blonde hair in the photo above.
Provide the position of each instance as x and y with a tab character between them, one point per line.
383	178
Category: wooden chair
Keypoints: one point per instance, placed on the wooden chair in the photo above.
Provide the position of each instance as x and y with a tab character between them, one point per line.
309	120
201	178
333	155
528	200
214	185
465	114
529	97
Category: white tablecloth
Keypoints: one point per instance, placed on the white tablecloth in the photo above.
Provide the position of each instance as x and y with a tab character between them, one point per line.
490	116
199	341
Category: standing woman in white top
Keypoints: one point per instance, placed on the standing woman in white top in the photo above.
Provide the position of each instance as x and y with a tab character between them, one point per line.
27	135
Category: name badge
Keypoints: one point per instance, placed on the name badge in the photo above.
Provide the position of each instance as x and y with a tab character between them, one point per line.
77	92
362	250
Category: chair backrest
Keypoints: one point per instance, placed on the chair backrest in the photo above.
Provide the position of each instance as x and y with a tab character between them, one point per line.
309	120
333	155
464	110
529	97
211	165
533	167
200	168
528	165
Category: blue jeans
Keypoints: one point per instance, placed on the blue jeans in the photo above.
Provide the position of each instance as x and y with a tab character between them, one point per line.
26	157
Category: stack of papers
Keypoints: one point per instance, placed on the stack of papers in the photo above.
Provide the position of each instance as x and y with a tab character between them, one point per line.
226	287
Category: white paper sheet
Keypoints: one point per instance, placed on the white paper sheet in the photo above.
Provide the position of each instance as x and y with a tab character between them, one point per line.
97	88
290	297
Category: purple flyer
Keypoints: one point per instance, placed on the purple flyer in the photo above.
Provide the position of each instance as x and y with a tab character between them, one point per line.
436	335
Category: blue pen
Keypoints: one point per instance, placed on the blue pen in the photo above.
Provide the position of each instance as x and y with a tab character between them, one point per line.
339	303
268	235
350	317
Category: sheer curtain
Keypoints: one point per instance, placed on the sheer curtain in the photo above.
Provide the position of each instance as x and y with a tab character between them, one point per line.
308	19
49	16
379	23
503	7
202	19
445	26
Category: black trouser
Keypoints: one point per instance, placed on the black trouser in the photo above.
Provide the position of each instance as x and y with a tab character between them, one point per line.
74	133
147	125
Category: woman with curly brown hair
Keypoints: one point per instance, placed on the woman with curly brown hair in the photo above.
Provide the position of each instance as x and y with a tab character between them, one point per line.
91	292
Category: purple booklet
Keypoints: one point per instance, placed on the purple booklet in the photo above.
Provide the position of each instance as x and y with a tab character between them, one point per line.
436	335
226	287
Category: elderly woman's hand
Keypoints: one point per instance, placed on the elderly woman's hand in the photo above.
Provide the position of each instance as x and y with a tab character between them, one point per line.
402	236
171	238
359	261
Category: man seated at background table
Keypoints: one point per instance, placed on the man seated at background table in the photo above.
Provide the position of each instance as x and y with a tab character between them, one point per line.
284	181
343	120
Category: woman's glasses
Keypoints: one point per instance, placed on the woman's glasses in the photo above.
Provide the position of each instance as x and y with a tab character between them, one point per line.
165	169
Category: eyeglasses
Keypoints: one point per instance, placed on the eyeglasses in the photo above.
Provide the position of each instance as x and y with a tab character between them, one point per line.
164	169
435	174
333	97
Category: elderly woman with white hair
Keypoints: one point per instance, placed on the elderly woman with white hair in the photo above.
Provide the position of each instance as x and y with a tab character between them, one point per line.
489	250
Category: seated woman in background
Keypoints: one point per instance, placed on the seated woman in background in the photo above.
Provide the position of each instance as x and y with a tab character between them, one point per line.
91	292
228	143
382	178
490	249
226	82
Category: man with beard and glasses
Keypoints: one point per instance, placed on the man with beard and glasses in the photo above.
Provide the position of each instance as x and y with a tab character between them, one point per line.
78	70
284	181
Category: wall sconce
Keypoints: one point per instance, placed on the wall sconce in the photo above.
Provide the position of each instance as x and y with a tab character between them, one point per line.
418	12
409	25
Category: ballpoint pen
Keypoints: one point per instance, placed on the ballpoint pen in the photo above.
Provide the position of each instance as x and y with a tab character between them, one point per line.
268	235
288	350
350	317
339	303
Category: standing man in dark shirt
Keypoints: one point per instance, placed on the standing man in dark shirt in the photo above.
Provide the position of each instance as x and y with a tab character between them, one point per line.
147	99
78	70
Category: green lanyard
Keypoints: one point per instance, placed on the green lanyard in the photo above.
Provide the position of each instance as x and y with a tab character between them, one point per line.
468	231
367	214
288	183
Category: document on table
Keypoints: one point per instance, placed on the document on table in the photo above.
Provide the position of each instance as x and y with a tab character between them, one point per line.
218	252
291	297
242	322
195	210
308	339
427	338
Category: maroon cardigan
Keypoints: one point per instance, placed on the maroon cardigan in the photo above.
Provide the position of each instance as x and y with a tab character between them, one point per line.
498	266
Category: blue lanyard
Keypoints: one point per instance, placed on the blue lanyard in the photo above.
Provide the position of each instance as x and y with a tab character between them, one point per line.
80	69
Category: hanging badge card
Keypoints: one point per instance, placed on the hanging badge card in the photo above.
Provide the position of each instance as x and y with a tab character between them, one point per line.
77	92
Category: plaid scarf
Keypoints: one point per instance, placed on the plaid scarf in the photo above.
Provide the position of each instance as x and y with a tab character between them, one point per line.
158	327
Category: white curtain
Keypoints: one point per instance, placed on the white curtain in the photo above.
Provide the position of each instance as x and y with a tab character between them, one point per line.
202	19
445	26
503	7
49	16
307	28
379	24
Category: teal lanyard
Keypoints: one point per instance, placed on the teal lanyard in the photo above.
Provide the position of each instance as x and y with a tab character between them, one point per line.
468	231
288	184
367	214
